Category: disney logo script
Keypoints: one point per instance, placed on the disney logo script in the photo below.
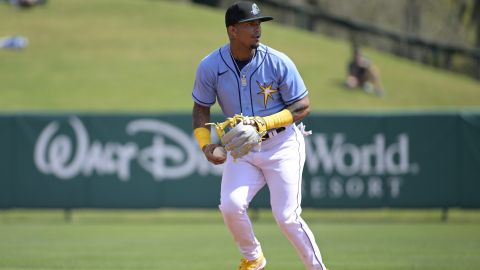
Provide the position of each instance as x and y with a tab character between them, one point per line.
58	155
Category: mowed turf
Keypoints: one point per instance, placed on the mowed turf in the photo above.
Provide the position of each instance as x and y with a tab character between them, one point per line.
141	55
186	239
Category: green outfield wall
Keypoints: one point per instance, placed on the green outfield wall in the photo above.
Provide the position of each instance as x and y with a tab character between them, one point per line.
150	161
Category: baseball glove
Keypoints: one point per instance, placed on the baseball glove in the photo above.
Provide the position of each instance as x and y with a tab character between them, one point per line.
241	138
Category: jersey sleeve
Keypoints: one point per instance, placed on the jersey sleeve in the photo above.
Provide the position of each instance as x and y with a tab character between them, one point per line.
203	92
291	85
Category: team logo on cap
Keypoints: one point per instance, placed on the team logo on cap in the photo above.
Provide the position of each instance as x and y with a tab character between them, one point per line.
255	9
266	91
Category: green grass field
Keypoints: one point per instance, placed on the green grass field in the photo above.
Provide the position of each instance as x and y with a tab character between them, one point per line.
197	239
141	55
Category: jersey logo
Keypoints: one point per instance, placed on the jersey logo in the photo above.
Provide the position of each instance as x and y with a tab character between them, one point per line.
221	73
266	91
255	9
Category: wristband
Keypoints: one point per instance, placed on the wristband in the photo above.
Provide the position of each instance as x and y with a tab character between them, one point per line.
281	119
202	135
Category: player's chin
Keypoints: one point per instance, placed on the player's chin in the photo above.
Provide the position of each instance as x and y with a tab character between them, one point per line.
255	45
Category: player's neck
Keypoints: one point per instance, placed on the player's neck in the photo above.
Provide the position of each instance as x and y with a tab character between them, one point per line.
241	53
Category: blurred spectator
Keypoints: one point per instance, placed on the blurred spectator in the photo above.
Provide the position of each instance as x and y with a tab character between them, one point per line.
362	73
27	3
13	42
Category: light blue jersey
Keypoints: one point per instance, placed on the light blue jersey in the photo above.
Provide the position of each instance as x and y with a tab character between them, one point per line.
267	85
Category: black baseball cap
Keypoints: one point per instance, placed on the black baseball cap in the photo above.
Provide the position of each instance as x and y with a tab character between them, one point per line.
244	11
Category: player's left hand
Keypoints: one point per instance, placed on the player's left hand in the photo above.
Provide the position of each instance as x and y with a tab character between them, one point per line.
249	121
241	139
245	133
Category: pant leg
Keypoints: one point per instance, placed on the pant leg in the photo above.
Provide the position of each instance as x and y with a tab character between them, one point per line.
283	168
241	181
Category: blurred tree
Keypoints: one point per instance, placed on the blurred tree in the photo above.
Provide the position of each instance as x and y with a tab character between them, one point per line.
412	17
469	11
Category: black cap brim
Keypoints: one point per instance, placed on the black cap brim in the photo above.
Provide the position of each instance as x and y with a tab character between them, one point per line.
262	19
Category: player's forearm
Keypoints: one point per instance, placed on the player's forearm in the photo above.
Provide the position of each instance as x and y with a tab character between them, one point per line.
295	112
201	116
300	109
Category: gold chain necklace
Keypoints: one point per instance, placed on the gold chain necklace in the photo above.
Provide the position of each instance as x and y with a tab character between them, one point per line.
243	78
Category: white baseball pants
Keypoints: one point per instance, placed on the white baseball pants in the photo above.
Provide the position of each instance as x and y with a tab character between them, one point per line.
279	164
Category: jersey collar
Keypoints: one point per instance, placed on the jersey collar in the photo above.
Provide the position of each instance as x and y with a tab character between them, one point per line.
256	61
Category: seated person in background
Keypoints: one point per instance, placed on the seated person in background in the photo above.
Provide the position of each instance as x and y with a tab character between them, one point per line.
363	74
27	3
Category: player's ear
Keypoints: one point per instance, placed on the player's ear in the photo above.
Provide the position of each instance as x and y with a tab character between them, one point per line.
232	31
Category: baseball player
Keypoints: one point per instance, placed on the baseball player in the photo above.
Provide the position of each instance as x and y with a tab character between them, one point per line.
248	78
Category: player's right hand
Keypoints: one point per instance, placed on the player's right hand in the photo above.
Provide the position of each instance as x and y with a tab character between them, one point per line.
216	158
